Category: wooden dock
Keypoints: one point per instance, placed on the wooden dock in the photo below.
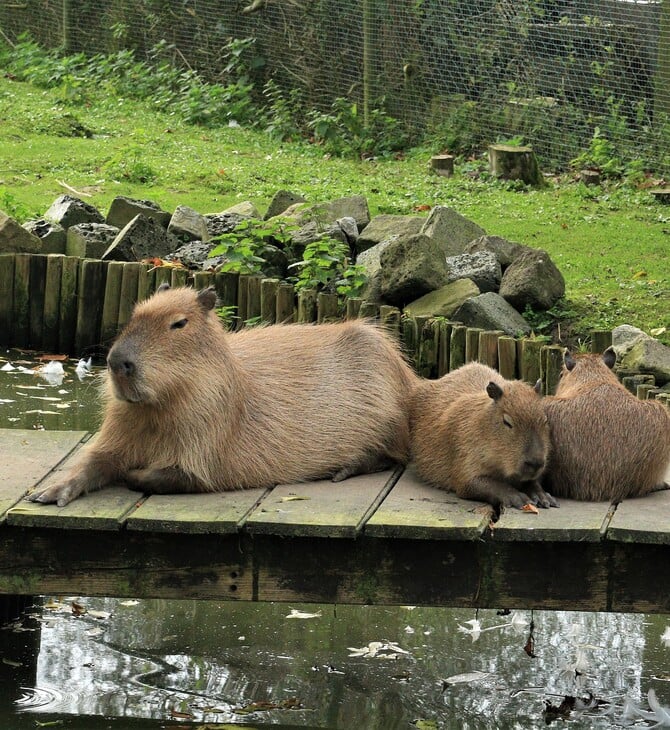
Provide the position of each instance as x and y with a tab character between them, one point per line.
376	539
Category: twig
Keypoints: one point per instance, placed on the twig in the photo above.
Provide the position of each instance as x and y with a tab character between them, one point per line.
72	190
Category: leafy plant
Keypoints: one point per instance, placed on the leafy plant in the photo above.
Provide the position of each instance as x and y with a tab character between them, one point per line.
326	266
601	155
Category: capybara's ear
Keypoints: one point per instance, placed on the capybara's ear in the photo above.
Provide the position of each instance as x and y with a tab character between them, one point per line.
163	287
494	391
538	386
609	357
568	360
207	298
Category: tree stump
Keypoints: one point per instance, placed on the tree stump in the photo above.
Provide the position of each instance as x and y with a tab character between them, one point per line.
514	163
442	165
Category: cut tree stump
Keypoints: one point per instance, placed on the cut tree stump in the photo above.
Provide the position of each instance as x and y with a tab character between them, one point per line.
442	165
514	163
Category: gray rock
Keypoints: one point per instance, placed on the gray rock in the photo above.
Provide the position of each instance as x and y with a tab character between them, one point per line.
354	206
384	227
647	355
52	235
532	279
452	231
221	223
193	255
123	210
443	302
504	250
371	263
350	230
246	209
141	238
188	225
282	200
314	231
89	240
491	312
624	336
16	239
481	267
69	211
410	268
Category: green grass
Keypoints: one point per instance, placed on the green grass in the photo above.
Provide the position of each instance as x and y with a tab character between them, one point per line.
610	242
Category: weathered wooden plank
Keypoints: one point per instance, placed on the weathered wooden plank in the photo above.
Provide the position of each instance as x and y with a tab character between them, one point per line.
128	293
38	275
192	513
110	308
639	578
320	508
92	277
572	522
53	275
21	316
7	298
415	510
27	457
643	520
68	304
269	300
307	305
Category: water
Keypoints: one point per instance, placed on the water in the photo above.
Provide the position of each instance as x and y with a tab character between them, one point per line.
100	663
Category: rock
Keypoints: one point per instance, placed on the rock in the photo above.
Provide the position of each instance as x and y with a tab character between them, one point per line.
450	230
52	235
624	336
69	211
443	302
193	255
370	261
491	312
354	206
140	239
349	228
646	354
188	225
246	209
314	231
16	239
505	251
384	227
89	240
481	267
533	280
123	210
282	200
410	268
221	223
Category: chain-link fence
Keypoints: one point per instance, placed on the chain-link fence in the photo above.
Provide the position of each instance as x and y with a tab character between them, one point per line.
563	76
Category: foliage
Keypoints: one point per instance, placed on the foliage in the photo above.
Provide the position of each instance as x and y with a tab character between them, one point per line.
600	155
326	267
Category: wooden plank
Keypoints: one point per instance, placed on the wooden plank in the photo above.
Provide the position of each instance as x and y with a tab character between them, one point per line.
33	455
21	317
7	298
54	274
643	520
130	281
269	300
110	308
68	304
320	508
89	304
219	513
38	275
572	522
416	510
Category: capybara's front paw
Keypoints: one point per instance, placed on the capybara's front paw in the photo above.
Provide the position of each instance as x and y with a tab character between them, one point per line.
541	498
61	493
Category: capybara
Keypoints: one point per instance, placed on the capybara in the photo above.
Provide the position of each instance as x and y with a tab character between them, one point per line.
193	408
481	436
606	444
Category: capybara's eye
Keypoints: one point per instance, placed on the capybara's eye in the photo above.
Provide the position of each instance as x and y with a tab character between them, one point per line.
507	421
179	324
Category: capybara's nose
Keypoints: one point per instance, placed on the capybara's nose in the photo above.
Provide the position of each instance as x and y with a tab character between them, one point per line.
533	465
120	365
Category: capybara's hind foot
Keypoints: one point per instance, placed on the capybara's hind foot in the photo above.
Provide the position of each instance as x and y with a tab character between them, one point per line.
369	466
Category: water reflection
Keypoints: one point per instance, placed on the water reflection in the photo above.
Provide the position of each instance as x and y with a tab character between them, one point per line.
210	662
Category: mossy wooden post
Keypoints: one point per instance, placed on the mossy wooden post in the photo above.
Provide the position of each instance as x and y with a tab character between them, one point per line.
285	304
109	325
643	390
552	364
254	297
269	300
428	335
457	346
633	382
327	307
307	305
52	280
128	294
69	285
7	298
443	347
202	279
528	355
145	282
179	277
226	283
507	357
368	310
600	340
92	274
162	275
472	343
21	323
389	318
353	307
409	339
488	348
38	275
515	163
242	297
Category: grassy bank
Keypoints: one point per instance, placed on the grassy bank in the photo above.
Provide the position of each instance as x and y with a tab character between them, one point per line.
610	242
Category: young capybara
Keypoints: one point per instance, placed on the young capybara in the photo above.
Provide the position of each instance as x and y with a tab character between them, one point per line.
606	443
481	436
193	408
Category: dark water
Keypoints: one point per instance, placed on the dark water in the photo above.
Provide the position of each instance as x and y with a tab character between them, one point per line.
99	663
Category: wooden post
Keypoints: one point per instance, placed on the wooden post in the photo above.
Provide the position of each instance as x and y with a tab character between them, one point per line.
633	382
179	277
409	339
353	307
390	318
600	340
128	294
89	304
226	283
109	325
285	303
507	357
552	364
254	297
242	297
514	163
21	307
529	358
7	298
444	328
472	343
269	300
38	275
69	284
442	165
163	275
52	281
327	307
307	305
368	310
488	348
428	335
457	346
145	282
643	390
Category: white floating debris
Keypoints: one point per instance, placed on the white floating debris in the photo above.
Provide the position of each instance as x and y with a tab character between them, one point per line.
8	367
53	367
379	649
83	367
464	678
302	614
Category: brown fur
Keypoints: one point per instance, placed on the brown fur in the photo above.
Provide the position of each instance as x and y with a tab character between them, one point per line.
606	443
190	407
479	446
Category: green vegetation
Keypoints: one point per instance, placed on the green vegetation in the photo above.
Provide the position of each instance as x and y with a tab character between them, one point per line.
86	134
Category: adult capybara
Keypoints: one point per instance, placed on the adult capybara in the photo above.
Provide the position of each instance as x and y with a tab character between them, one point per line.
606	443
481	436
193	408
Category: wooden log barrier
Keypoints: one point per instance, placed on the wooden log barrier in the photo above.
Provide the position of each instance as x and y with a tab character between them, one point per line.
110	306
529	363
353	307
507	362
92	276
428	345
53	275
552	364
7	261
69	304
488	348
285	303
472	343
21	318
269	300
38	275
327	307
307	305
129	285
443	347
457	346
